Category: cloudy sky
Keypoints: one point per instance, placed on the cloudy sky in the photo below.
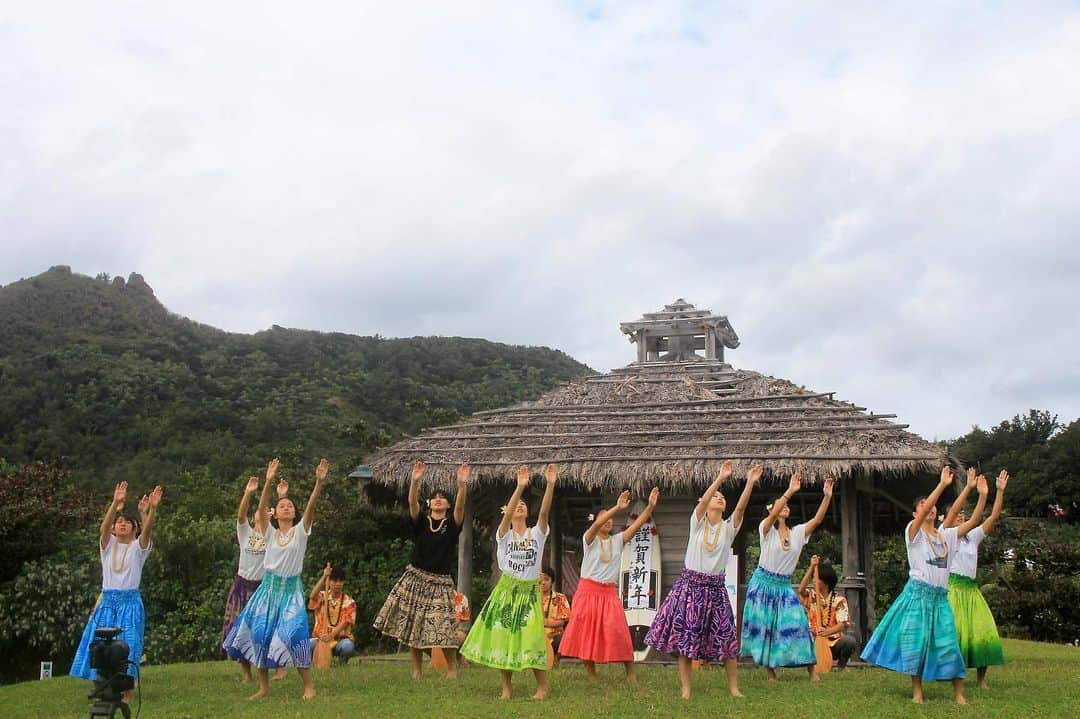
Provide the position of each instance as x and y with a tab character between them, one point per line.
878	198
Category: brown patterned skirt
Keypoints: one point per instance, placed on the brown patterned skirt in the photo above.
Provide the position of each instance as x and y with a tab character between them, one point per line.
419	612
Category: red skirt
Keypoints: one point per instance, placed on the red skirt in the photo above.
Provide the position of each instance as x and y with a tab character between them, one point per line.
597	630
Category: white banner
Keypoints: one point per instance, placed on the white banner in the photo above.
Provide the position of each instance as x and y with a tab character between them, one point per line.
639	585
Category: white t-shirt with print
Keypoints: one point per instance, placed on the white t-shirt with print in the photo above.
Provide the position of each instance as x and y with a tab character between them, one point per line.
774	557
252	552
700	558
520	555
122	564
929	561
285	550
592	566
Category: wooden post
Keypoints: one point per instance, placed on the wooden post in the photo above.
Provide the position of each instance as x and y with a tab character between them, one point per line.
464	553
853	581
866	517
641	349
710	343
555	544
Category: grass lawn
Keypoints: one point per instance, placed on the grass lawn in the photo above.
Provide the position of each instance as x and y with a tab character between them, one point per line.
1041	680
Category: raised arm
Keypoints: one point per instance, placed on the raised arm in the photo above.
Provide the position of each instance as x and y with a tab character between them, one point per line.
314	596
598	521
628	533
976	515
262	510
508	511
245	501
115	504
752	478
551	474
462	493
930	502
149	516
961	498
320	477
810	571
819	515
703	503
414	490
999	502
780	503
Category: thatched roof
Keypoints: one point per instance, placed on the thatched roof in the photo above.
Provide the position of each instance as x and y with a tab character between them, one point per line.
667	422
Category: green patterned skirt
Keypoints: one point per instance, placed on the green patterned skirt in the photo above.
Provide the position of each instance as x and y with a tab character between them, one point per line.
509	631
976	630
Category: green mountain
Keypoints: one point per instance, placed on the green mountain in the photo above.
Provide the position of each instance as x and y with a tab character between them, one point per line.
100	378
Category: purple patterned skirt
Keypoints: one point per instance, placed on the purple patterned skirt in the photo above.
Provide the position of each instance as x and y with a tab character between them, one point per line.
241	592
695	619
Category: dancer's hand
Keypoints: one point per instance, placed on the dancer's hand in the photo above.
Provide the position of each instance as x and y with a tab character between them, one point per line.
155	497
726	470
754	474
322	470
1003	480
654	496
326	572
252	485
523	476
119	495
144	505
282	488
551	473
830	484
947	476
814	560
971	479
624	500
417	471
463	474
795	484
271	469
984	486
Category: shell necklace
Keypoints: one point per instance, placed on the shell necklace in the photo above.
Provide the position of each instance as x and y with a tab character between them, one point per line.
123	557
944	551
607	552
711	544
291	533
433	528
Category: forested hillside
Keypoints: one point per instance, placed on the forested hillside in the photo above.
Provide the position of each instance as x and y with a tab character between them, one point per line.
99	378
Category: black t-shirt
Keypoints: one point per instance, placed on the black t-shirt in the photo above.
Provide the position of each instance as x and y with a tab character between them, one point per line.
435	552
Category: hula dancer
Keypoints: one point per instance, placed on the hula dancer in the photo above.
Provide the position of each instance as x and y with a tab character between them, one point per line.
123	549
976	630
419	611
508	634
597	631
917	636
695	620
250	570
775	630
272	629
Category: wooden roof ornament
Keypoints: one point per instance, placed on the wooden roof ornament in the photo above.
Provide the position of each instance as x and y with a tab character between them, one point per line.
670	418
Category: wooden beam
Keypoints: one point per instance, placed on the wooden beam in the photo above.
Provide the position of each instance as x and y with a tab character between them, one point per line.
684	458
596	445
570	411
640	405
654	432
669	422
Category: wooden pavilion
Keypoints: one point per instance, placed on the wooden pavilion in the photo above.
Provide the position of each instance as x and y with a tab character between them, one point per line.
670	419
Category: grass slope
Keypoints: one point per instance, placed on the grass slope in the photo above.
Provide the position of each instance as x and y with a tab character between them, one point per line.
1039	681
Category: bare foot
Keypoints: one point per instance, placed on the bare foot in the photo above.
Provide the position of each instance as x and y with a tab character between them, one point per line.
917	699
505	695
960	699
540	695
415	674
451	674
815	677
309	693
259	694
278	675
771	674
686	694
632	678
983	684
737	694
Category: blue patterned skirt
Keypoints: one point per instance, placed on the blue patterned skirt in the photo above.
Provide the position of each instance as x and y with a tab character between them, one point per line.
775	631
917	636
272	630
695	619
115	608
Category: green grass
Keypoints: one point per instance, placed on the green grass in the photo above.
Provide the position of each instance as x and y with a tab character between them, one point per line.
1041	680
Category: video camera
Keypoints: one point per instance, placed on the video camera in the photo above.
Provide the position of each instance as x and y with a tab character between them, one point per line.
109	656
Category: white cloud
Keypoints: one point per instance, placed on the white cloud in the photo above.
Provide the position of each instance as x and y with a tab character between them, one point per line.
878	198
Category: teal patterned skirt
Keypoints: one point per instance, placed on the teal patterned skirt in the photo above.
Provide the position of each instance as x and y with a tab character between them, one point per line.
917	636
775	630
